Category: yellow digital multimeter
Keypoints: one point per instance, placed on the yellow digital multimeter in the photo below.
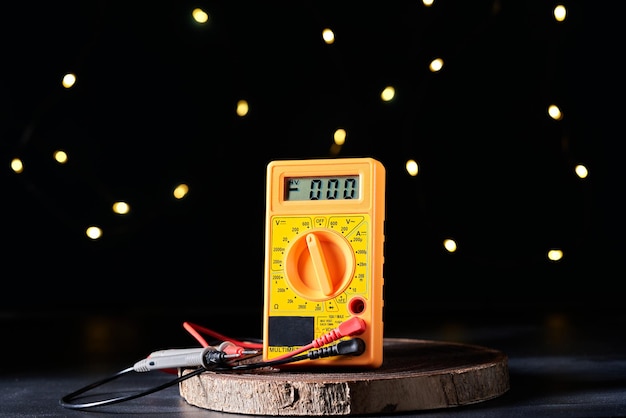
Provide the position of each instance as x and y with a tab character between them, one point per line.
324	243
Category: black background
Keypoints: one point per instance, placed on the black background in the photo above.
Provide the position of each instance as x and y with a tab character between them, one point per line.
155	105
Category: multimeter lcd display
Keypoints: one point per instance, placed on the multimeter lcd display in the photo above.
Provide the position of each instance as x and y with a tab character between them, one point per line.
322	188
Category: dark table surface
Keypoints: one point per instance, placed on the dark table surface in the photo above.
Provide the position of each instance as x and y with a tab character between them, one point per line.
561	363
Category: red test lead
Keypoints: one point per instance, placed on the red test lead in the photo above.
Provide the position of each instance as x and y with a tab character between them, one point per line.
351	327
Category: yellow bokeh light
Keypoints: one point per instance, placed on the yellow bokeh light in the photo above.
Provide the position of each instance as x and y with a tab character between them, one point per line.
200	15
93	232
69	80
60	157
555	255
16	165
428	3
560	12
436	65
121	208
555	112
450	245
412	168
181	191
328	36
388	94
581	171
340	136
242	108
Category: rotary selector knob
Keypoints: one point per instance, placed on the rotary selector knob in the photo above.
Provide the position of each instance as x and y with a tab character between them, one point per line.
320	264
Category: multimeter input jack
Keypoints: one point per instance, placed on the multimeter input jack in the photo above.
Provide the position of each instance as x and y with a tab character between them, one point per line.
356	306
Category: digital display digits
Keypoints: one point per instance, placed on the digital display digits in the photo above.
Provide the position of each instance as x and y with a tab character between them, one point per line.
322	188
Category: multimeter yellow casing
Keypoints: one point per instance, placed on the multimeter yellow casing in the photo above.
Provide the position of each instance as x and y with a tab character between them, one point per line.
324	243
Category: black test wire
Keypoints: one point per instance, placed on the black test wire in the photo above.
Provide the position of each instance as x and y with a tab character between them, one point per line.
67	400
213	360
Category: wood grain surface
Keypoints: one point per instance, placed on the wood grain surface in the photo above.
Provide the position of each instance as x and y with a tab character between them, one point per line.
415	375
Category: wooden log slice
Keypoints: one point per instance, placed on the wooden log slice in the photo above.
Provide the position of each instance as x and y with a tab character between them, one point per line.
415	375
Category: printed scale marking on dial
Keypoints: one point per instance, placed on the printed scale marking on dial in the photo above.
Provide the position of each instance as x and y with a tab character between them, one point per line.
324	244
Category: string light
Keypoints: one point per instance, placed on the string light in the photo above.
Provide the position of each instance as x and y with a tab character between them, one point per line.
436	65
581	171
17	166
449	245
560	12
94	232
388	94
69	80
180	191
242	108
200	15
412	168
60	156
340	136
328	36
121	208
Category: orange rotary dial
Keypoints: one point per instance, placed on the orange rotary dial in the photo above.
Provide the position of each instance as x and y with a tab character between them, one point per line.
320	264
